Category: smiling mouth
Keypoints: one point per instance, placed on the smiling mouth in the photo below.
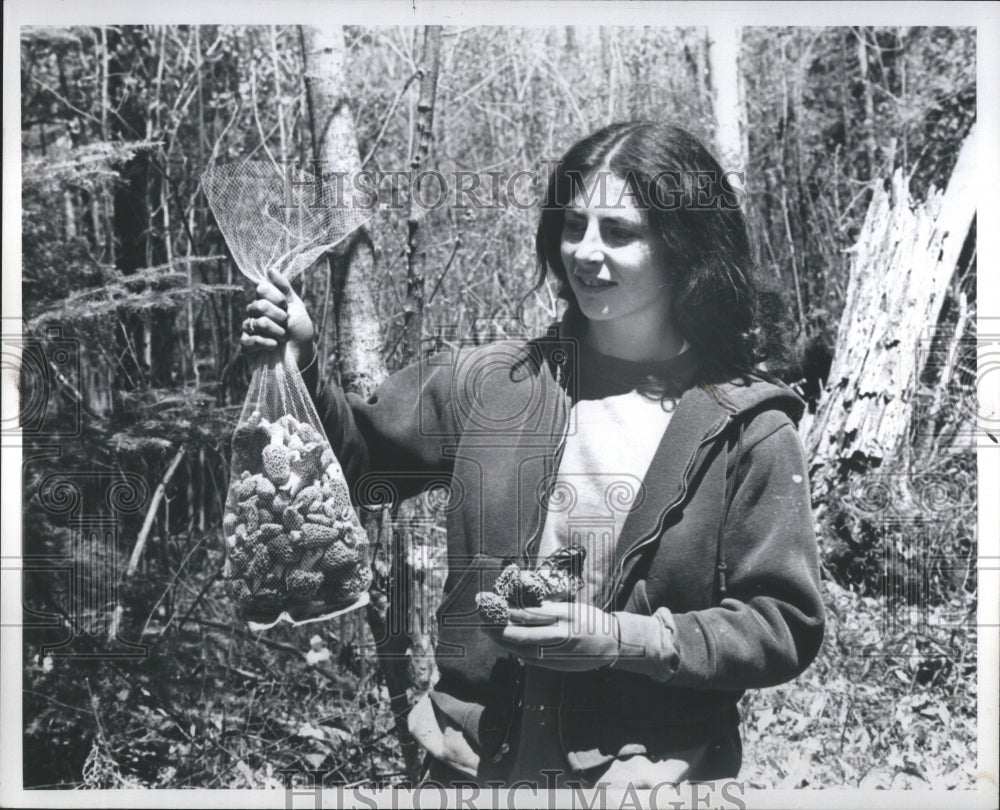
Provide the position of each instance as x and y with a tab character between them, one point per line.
594	283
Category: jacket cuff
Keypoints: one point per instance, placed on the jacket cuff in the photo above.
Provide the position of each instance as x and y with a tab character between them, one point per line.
647	644
696	651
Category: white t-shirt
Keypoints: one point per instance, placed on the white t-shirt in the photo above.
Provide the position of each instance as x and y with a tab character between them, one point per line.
608	448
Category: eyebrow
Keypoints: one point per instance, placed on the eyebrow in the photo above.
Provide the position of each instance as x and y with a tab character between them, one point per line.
579	211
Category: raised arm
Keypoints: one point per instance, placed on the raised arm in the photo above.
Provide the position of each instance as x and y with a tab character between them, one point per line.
395	438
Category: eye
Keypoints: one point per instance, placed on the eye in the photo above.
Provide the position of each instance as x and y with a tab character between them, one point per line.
619	234
574	227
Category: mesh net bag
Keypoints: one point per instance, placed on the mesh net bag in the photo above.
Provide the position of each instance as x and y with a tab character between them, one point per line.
295	550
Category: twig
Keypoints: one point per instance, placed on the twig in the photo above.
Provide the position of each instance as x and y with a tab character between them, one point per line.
795	266
454	252
277	87
53	701
388	116
170	584
65	102
402	331
161	489
278	645
140	543
97	719
179	720
197	600
256	117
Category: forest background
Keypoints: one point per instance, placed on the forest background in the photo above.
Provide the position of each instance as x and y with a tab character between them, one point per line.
135	671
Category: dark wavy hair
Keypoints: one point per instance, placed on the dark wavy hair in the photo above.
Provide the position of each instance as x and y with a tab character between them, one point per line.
693	209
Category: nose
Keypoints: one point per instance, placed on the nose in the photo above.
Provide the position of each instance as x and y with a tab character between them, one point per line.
590	250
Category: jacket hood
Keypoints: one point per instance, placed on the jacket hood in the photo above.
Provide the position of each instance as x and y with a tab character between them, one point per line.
757	391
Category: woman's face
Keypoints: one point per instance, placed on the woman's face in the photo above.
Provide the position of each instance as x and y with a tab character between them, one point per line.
614	265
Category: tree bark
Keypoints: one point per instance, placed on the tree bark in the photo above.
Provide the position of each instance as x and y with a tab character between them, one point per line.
411	536
701	69
903	262
730	119
416	246
357	341
868	126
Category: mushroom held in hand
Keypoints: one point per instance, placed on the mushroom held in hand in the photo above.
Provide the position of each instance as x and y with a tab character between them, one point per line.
557	579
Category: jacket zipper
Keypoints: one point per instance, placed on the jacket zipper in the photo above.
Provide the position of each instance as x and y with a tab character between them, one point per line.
635	547
642	541
516	701
551	464
551	467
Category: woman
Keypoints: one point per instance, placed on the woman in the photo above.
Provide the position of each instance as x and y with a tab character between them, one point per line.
637	427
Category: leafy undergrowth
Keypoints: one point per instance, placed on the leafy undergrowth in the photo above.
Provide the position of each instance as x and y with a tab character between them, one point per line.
890	702
212	707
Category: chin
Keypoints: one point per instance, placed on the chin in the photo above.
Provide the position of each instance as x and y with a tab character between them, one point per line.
599	308
597	314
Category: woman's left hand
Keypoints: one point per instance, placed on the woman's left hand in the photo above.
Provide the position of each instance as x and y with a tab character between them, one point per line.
582	637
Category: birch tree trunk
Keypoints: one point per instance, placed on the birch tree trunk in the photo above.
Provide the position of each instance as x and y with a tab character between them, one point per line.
701	68
903	262
357	339
727	99
357	342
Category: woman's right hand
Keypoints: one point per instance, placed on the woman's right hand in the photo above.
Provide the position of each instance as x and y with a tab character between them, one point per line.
278	316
